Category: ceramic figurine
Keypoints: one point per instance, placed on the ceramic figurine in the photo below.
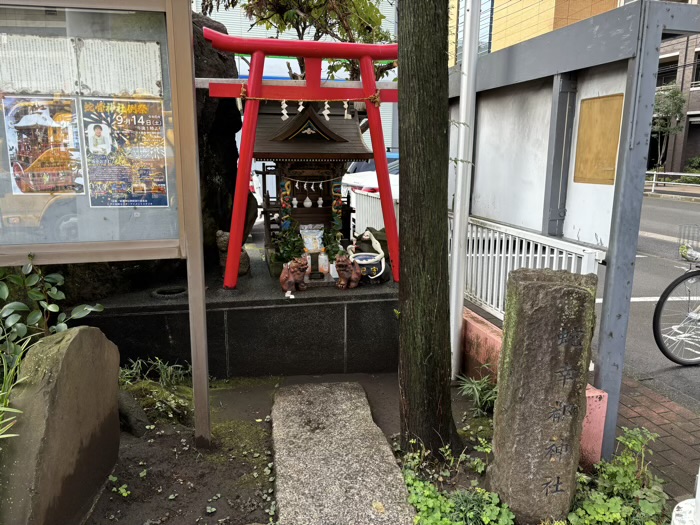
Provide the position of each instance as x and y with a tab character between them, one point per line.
294	202
348	272
320	202
307	202
292	277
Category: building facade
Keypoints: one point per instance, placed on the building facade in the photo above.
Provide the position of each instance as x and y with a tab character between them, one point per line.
508	22
680	64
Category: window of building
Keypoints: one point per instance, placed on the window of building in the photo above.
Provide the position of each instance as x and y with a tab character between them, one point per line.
668	71
696	71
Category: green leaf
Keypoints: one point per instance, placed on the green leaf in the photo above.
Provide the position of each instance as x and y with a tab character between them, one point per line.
4	291
20	329
15	279
61	317
13	307
55	278
50	307
56	295
27	268
61	327
32	280
34	317
35	295
80	311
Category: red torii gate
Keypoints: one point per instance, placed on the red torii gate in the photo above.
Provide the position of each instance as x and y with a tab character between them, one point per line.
255	90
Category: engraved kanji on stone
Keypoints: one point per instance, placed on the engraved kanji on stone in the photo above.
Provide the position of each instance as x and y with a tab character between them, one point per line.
572	337
555	450
562	410
552	487
566	374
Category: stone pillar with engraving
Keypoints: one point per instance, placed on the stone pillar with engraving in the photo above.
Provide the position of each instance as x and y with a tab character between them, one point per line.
542	377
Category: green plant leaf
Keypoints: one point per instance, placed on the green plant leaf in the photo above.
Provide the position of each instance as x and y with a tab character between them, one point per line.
53	308
13	307
4	291
15	279
12	320
61	327
55	278
35	295
61	317
27	268
80	311
34	317
20	329
56	295
32	280
83	310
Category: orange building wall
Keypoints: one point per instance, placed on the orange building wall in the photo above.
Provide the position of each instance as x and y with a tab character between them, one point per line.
515	21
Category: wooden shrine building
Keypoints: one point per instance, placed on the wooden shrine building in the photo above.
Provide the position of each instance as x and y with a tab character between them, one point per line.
310	146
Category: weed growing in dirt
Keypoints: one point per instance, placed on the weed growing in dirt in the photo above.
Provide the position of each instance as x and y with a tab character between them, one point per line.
164	404
155	369
122	490
623	489
463	507
482	392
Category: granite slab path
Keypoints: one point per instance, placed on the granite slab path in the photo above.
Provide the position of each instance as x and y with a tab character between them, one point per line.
334	466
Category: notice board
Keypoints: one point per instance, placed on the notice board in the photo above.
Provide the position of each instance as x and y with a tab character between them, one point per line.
600	121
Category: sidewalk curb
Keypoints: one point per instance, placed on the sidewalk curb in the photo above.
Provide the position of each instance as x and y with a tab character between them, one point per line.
682	198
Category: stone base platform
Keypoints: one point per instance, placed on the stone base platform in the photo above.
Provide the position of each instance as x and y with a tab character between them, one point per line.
255	331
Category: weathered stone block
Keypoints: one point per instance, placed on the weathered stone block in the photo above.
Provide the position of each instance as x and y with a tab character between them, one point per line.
333	464
542	372
68	430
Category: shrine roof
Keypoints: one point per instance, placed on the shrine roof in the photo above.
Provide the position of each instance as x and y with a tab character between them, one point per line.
307	135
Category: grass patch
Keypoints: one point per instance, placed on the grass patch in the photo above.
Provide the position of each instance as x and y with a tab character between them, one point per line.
174	403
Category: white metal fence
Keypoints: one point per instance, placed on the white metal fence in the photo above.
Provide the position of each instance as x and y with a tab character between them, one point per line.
368	211
669	178
493	251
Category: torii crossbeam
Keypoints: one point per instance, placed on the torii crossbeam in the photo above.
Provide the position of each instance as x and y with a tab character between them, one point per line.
254	91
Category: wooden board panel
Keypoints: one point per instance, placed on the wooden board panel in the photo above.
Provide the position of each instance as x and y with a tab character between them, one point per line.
598	140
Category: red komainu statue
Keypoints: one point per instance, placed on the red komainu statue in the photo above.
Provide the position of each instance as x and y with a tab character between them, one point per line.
348	272
292	277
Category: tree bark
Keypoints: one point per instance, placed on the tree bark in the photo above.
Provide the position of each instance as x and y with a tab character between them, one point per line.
424	362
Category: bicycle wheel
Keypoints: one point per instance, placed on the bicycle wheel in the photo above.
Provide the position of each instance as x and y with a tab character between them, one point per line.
677	320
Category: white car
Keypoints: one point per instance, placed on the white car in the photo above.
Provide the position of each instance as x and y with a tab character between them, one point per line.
367	181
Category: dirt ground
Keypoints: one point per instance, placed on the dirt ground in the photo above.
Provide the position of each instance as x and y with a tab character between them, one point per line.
168	481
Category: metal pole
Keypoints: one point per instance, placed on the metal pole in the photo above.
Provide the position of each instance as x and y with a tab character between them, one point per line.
653	182
627	209
465	158
185	106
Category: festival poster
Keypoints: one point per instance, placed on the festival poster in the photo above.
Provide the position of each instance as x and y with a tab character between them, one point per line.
43	145
125	152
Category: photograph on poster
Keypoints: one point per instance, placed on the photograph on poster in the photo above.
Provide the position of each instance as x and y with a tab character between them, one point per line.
125	152
43	145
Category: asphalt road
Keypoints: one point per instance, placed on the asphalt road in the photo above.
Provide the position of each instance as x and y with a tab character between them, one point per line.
657	265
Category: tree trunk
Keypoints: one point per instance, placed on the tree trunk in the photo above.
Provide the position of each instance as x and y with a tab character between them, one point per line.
662	152
424	367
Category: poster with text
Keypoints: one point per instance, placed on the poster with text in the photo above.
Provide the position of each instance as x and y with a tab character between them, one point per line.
125	152
43	145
